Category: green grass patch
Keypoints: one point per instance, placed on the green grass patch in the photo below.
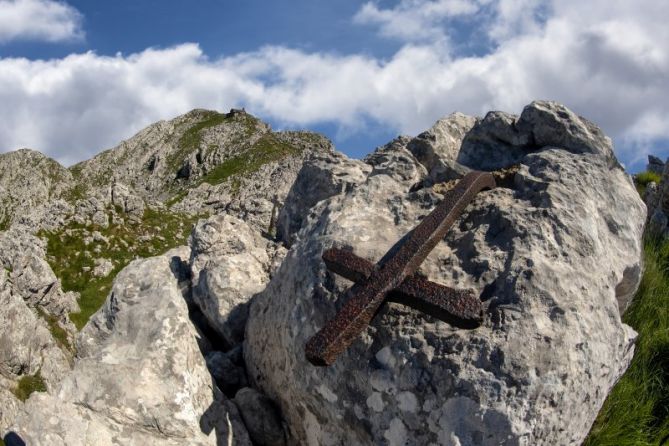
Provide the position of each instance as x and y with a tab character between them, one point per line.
29	384
643	179
636	411
191	139
77	192
73	261
176	198
267	149
4	224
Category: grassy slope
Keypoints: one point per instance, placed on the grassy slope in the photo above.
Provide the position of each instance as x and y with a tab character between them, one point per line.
267	149
29	384
637	409
69	256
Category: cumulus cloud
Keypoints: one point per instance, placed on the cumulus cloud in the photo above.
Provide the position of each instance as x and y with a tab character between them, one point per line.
48	20
415	20
607	61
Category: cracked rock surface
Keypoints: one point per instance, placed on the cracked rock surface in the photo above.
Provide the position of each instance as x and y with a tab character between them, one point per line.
140	377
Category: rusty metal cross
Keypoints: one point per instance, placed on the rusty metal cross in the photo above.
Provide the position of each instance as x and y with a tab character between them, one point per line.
393	279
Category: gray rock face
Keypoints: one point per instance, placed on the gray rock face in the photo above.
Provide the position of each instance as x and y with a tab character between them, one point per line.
130	203
555	255
655	165
32	276
30	292
9	408
323	175
28	180
26	348
198	163
140	377
230	264
437	148
657	200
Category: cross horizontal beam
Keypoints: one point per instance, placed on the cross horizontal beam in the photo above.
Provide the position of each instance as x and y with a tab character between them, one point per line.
365	297
460	308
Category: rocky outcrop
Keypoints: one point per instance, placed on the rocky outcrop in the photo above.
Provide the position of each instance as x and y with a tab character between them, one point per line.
127	201
28	180
554	253
323	175
230	264
27	348
655	165
656	198
32	306
24	255
140	377
204	161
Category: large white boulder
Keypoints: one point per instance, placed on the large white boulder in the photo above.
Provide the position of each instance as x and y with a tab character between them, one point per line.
140	377
554	252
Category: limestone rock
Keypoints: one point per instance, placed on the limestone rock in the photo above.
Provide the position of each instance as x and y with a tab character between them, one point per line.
230	264
129	202
322	176
437	148
102	267
33	279
9	408
140	377
555	254
28	180
26	347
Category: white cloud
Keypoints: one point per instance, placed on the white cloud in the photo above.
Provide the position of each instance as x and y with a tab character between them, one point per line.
607	61
48	20
415	20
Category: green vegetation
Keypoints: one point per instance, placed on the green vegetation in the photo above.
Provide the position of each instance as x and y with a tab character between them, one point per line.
176	198
29	384
58	332
191	138
73	261
267	149
637	409
4	224
642	179
76	192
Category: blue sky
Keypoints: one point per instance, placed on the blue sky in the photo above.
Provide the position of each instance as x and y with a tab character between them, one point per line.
78	77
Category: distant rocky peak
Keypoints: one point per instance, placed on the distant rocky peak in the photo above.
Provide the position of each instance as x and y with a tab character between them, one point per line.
28	179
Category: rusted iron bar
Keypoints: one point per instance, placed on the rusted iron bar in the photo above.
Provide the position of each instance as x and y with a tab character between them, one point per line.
366	296
461	308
